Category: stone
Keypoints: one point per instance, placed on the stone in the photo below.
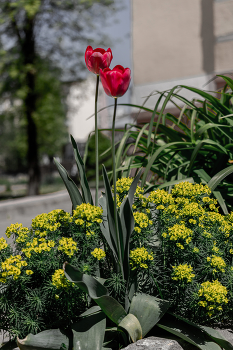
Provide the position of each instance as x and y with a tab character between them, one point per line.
154	343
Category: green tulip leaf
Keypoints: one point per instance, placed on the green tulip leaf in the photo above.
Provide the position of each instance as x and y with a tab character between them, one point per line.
97	292
83	180
111	233
51	339
148	310
105	227
88	332
72	189
131	324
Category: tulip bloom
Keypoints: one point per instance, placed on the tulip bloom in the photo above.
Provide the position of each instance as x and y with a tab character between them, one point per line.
116	81
98	58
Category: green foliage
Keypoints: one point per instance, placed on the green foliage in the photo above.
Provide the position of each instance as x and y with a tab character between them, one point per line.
203	142
35	295
49	118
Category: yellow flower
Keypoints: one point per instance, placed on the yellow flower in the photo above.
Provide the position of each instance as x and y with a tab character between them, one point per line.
98	253
217	262
68	246
3	243
29	272
187	189
139	257
60	281
86	212
142	220
214	295
183	272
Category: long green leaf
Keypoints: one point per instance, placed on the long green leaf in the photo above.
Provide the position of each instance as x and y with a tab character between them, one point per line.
155	155
207	126
217	178
88	332
148	310
72	189
152	120
110	215
210	332
139	136
51	339
105	227
131	324
187	332
83	180
228	80
214	101
96	291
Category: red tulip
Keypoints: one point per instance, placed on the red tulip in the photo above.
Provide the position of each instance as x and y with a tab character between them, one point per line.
98	58
116	81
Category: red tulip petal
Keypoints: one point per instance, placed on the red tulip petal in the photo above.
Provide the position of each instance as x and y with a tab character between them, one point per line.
102	51
109	50
115	81
104	81
88	53
119	69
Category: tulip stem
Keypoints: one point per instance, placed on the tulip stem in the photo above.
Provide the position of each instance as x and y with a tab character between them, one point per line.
114	182
96	144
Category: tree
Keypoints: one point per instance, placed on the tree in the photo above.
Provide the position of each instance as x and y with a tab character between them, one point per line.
34	36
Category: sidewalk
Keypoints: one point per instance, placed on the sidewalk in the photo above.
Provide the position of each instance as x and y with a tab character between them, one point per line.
23	210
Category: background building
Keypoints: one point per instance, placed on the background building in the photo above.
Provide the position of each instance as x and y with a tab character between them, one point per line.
180	42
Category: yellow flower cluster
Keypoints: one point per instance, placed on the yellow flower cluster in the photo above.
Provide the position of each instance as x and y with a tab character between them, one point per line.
139	257
187	189
142	220
98	253
123	186
12	267
67	245
192	209
183	272
217	262
214	294
87	212
160	197
59	280
179	231
3	243
46	222
37	247
20	232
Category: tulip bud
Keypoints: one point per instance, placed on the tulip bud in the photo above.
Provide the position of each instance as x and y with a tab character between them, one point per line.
116	81
98	58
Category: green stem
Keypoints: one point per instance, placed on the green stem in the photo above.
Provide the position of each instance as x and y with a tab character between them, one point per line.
96	144
114	184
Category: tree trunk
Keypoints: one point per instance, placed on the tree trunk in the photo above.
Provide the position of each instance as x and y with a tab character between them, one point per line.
29	56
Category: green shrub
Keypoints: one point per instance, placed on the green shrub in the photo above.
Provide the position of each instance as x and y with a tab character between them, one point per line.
181	250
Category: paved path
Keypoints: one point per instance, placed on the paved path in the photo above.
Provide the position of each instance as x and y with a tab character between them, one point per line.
23	210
